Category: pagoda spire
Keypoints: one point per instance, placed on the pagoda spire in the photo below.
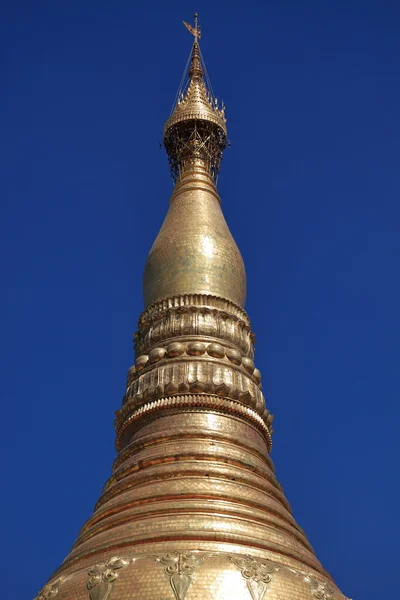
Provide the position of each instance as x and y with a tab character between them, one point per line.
196	69
194	252
193	508
196	129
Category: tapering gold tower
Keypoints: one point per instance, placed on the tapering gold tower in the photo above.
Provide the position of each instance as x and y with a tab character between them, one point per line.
192	510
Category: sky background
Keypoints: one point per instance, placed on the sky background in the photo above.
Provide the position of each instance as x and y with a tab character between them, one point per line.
310	189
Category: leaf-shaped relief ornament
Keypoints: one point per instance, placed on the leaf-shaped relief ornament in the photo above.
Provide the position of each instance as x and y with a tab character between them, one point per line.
180	583
102	577
50	590
109	576
101	591
117	562
320	590
257	589
257	573
179	567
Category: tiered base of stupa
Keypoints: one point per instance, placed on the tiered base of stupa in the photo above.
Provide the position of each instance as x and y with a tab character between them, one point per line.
193	510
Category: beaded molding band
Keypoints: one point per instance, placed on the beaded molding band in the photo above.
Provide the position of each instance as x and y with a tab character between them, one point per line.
195	348
198	401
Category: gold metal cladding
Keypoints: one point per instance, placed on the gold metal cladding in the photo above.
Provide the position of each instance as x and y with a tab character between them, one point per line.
197	401
205	528
134	514
179	568
203	316
231	441
171	450
248	364
202	301
50	590
141	362
258	574
234	356
194	252
196	349
175	349
196	129
197	104
102	577
156	354
216	350
184	572
257	375
190	374
193	509
193	348
195	31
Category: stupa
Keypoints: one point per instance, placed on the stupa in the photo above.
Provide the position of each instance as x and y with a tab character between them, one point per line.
193	510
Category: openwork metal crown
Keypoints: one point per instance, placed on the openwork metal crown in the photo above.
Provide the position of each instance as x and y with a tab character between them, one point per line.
196	129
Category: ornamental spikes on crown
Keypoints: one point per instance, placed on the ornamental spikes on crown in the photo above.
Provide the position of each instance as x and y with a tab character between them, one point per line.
196	128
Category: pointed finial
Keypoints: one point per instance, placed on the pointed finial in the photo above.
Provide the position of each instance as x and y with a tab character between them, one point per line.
196	128
195	31
196	70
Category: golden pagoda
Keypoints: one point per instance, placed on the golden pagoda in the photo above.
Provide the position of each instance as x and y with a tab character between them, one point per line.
192	510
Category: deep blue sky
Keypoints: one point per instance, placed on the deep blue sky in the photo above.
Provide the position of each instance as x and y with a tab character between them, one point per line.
310	189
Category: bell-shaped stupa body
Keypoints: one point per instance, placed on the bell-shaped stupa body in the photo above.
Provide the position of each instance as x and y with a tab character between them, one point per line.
195	253
192	510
